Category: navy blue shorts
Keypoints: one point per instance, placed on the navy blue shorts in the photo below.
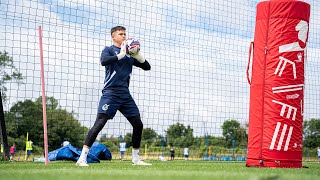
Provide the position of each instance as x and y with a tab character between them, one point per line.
111	102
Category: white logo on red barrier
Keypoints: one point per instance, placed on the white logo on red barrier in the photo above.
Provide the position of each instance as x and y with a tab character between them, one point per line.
283	133
293	96
290	108
289	88
302	28
284	62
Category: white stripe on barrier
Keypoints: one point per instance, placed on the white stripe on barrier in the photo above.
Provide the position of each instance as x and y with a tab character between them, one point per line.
275	134
288	139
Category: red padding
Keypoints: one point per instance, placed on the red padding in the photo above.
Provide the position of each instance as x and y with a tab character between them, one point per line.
277	83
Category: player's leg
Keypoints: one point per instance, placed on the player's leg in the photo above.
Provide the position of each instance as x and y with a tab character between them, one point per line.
136	139
130	110
137	127
122	155
97	127
106	110
28	154
101	120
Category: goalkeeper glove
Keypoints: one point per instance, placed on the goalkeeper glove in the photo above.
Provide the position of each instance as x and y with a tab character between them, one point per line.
139	57
123	51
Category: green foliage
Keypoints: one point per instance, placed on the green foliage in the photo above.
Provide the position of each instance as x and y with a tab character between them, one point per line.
310	152
103	138
311	132
26	116
128	139
229	129
112	143
148	136
8	72
233	131
198	141
179	136
20	142
216	141
158	141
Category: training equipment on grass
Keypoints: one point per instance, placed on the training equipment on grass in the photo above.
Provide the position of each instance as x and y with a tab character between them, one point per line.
277	84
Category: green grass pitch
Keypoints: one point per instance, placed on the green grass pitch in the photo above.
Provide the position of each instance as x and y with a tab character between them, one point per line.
178	169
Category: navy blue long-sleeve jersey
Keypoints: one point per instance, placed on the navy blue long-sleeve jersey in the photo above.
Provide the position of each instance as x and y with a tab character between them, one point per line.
118	71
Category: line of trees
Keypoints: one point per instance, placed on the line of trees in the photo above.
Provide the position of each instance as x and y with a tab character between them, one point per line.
179	135
26	117
311	133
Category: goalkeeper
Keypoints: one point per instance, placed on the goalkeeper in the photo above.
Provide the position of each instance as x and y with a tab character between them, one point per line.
116	95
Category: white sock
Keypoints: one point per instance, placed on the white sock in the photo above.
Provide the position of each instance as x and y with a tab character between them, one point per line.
135	155
84	153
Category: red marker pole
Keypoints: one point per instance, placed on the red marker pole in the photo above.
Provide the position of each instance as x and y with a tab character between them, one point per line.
45	136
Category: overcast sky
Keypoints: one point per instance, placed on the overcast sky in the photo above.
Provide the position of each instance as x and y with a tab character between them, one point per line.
198	51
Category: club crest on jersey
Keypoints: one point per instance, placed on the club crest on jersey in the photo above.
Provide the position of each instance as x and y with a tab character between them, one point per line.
105	107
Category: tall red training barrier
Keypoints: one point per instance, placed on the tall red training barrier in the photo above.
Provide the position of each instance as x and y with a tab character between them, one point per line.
277	84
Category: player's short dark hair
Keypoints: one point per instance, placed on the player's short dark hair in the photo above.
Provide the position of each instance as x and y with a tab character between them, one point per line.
117	28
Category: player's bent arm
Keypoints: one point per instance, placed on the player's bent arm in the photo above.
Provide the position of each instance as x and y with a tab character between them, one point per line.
145	66
106	60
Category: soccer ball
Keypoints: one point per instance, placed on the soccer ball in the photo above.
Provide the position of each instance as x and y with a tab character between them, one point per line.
133	46
161	158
